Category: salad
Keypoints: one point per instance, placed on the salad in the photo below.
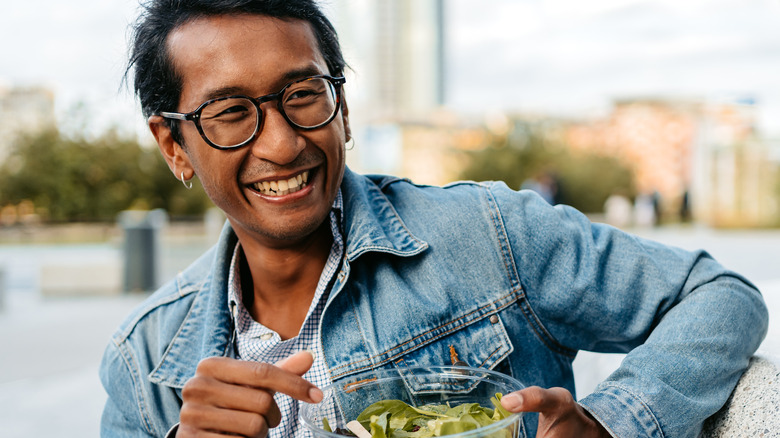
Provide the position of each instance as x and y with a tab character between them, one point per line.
397	419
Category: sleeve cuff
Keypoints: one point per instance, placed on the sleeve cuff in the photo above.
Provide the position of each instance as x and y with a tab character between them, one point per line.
622	413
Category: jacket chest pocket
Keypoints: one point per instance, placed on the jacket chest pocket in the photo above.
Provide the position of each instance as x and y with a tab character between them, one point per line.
481	344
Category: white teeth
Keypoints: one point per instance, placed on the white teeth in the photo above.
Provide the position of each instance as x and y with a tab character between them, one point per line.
283	186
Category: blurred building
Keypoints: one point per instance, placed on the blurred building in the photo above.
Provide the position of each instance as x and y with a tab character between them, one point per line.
397	80
23	110
654	137
736	171
701	156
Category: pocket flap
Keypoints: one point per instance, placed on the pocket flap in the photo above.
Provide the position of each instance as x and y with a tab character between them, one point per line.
482	344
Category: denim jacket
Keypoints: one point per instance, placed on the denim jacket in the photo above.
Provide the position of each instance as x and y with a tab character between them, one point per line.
502	278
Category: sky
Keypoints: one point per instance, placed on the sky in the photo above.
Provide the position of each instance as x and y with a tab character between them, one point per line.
76	48
552	56
576	56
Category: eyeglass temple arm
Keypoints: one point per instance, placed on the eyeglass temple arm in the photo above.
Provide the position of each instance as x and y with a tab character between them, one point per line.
177	116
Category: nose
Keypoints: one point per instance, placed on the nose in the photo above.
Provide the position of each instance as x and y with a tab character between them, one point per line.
277	141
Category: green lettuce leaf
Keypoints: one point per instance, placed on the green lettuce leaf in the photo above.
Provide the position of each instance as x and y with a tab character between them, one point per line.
396	419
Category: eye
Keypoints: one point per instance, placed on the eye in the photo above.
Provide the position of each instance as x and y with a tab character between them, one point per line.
228	110
233	111
302	94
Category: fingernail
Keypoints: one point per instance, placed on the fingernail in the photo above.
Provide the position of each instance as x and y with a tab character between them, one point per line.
316	394
512	402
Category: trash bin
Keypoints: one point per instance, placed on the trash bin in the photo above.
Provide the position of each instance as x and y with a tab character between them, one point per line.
141	249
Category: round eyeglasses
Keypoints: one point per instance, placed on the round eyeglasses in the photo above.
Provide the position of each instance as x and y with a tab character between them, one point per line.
233	121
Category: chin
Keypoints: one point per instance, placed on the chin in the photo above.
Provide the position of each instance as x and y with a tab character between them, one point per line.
288	233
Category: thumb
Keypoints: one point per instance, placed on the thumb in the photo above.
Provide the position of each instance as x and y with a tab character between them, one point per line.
536	399
297	363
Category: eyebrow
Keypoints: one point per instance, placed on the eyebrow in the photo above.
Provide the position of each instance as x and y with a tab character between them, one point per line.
287	77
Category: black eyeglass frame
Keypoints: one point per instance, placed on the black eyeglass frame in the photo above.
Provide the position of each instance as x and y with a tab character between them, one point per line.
194	116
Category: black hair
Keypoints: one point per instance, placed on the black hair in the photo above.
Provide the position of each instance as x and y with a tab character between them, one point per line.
157	84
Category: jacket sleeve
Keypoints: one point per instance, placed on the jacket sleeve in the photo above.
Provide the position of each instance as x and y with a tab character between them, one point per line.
122	414
688	325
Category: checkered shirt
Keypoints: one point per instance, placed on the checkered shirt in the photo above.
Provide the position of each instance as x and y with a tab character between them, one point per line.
258	343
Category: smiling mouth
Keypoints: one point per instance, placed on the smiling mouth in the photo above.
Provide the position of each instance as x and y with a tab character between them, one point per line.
283	186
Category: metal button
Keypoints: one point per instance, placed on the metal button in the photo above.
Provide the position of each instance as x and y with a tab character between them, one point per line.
493	319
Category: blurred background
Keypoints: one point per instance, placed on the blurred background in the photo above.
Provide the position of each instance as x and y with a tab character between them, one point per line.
657	116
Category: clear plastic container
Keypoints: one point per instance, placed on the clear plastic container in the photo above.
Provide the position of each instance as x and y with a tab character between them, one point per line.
452	385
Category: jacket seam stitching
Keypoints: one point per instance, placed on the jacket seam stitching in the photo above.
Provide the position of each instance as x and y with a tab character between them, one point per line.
360	330
503	239
482	364
136	378
638	399
510	265
501	331
168	299
541	332
493	353
439	327
164	356
459	325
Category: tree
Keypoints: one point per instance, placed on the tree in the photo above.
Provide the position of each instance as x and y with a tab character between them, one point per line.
80	179
584	180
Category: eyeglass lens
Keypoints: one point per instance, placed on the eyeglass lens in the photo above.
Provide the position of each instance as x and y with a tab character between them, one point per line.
231	122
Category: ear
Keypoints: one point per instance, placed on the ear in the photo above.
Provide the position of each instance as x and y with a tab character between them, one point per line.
174	154
345	118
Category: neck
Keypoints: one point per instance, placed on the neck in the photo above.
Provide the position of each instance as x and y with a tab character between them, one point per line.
278	284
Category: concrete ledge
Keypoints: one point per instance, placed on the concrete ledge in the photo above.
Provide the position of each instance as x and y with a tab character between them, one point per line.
64	279
753	410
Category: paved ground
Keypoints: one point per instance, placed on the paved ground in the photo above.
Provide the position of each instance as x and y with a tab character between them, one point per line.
50	347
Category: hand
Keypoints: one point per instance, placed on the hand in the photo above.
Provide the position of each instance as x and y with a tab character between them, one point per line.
559	415
234	397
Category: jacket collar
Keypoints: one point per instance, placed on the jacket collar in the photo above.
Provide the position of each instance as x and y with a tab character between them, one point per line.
371	223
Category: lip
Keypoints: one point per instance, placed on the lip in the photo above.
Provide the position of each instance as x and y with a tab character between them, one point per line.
313	173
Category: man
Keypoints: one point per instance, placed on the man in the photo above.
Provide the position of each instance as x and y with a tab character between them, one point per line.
321	273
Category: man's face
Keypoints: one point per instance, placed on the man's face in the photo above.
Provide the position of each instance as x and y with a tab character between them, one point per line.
255	55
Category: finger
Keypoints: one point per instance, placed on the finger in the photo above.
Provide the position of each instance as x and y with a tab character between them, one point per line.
259	375
297	363
202	390
203	420
536	399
